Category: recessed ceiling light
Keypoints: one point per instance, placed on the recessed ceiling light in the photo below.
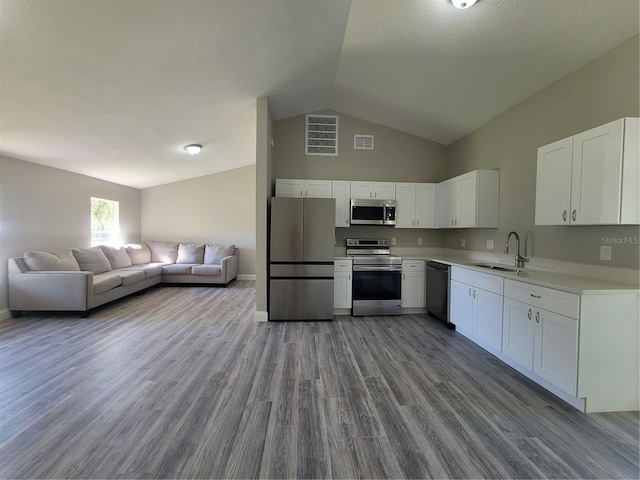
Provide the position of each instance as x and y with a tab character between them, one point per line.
462	4
193	149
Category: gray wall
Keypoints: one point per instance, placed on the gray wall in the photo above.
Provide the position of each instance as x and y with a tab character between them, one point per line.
44	208
397	157
603	90
218	208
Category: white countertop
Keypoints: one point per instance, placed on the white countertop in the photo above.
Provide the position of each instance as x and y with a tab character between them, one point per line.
577	284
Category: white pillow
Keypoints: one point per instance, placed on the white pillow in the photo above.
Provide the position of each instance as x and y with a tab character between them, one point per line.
190	253
213	254
54	261
92	260
163	252
117	257
138	253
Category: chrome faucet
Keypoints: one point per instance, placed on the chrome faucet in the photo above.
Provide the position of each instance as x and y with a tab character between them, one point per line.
519	259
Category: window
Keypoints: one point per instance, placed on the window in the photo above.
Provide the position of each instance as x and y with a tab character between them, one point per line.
105	222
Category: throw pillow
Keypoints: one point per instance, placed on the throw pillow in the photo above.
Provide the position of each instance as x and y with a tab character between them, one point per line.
139	254
190	253
92	260
117	257
163	252
54	261
213	254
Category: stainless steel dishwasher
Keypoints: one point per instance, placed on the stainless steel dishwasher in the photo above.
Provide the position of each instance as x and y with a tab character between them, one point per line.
438	276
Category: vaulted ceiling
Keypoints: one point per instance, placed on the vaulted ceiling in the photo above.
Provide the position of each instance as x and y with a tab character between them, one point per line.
115	89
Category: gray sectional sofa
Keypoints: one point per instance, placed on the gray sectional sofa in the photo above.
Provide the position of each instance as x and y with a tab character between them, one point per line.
80	279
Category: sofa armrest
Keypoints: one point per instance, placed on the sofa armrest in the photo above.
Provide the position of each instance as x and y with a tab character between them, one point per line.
229	268
45	290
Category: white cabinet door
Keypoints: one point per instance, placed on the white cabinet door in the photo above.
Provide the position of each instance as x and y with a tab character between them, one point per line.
342	290
555	349
466	192
596	175
447	203
425	205
405	205
461	308
286	187
413	284
517	332
317	188
341	191
361	190
553	183
384	190
487	318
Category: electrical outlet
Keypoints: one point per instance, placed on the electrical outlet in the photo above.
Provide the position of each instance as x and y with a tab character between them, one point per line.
605	252
419	240
463	242
489	244
393	240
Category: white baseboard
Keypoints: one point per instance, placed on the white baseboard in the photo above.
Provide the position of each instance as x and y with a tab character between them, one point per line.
251	278
262	316
4	314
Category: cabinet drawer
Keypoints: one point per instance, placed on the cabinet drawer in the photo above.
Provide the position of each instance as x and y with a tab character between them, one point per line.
463	275
490	283
342	266
413	265
567	304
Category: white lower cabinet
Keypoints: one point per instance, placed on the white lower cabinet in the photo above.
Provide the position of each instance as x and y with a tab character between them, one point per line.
542	341
476	307
413	284
342	282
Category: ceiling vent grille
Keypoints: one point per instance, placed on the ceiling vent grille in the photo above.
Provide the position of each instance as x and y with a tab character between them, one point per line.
363	142
321	135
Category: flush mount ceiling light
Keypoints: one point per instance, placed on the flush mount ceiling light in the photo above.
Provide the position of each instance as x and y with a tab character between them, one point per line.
462	4
193	149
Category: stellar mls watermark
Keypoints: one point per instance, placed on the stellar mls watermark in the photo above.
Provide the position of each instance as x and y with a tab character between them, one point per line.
620	240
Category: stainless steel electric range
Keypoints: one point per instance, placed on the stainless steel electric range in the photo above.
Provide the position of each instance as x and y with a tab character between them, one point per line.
377	277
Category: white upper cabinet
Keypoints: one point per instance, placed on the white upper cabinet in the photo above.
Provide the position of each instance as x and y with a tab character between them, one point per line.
286	187
379	190
591	178
470	200
415	205
341	191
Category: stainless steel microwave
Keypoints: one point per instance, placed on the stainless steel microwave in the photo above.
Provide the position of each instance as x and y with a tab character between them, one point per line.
373	212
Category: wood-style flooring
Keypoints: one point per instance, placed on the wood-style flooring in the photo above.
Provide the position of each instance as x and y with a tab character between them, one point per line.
182	383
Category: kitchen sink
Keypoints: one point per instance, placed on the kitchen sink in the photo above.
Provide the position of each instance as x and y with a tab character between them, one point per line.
495	267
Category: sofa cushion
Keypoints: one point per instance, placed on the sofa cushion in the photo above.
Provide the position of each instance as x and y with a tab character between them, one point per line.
163	252
130	276
91	260
213	270
177	269
150	270
54	260
214	253
102	283
190	253
117	257
138	253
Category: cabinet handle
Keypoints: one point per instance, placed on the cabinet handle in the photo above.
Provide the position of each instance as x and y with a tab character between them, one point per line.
417	223
474	294
349	276
529	314
564	216
404	276
573	215
538	317
535	296
306	193
452	222
375	195
456	222
301	193
469	292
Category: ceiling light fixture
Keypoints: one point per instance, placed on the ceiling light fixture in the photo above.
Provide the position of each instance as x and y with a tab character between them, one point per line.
462	4
193	149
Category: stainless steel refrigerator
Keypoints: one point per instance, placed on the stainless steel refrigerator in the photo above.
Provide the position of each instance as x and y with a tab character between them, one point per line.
301	261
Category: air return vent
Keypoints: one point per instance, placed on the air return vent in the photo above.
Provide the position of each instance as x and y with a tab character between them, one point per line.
363	142
321	136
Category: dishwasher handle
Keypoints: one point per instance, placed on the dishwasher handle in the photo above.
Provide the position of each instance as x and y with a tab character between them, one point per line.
437	266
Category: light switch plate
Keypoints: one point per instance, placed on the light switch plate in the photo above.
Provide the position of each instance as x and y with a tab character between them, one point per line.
489	244
393	240
605	252
463	242
419	240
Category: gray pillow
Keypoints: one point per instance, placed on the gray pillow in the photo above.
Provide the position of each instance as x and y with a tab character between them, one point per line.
163	252
92	260
138	253
117	257
190	253
213	253
54	261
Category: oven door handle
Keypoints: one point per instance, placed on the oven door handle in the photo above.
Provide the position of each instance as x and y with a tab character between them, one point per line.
377	268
